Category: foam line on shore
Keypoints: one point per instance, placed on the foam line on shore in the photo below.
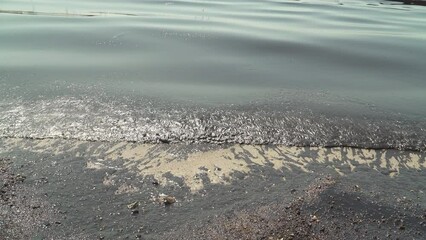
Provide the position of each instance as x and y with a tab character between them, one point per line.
196	164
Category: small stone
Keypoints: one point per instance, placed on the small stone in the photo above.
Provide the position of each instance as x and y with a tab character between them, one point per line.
20	178
166	199
135	212
169	200
163	140
133	205
314	218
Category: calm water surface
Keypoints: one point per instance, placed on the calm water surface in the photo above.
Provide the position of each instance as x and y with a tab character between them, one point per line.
287	72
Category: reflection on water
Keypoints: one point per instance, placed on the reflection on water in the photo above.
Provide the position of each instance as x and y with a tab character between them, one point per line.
91	14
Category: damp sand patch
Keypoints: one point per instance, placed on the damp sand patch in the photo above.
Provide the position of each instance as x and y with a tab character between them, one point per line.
198	165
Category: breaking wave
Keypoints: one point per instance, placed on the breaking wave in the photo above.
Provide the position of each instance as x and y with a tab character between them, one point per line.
150	121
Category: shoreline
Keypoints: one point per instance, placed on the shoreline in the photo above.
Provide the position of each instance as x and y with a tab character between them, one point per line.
214	144
140	120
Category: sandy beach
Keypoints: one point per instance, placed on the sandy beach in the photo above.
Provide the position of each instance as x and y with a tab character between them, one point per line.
69	189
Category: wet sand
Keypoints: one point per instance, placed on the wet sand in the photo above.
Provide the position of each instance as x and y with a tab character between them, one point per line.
69	189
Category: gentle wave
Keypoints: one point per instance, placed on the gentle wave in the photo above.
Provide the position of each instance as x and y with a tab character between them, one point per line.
250	72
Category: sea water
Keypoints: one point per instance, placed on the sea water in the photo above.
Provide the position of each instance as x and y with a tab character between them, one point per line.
305	73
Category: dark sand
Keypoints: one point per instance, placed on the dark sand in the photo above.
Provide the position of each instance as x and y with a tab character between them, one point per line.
63	189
